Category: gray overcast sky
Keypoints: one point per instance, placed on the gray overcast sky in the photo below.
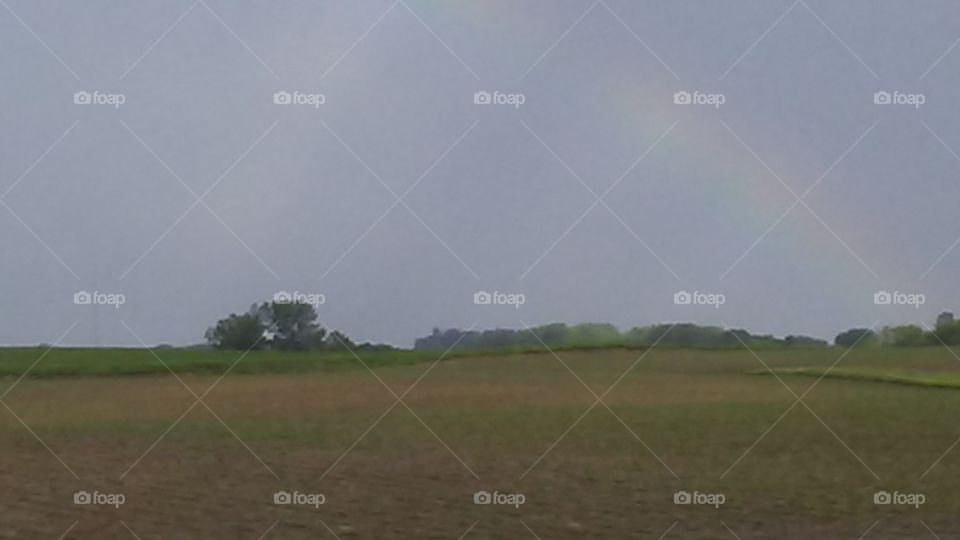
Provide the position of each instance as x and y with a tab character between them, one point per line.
502	198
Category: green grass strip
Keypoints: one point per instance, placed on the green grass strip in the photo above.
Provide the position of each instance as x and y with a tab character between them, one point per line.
911	378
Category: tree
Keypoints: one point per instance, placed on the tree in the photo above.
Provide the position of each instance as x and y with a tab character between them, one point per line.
553	334
947	332
318	340
804	341
285	326
337	340
293	325
855	336
240	332
909	335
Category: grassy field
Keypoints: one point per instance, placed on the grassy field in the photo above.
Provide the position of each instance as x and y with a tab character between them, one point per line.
66	362
676	420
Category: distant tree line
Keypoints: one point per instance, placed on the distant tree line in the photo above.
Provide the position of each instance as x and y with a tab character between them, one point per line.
292	326
283	326
946	331
560	335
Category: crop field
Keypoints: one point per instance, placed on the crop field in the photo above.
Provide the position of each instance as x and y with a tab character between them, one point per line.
581	444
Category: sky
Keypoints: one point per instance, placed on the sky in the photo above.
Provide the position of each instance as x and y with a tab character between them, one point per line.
627	152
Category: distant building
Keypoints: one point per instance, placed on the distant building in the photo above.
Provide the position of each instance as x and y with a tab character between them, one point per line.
945	319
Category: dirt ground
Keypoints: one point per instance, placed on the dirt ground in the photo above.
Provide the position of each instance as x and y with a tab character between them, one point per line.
511	428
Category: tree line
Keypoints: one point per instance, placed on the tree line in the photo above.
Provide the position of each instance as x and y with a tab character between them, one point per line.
293	326
560	335
945	332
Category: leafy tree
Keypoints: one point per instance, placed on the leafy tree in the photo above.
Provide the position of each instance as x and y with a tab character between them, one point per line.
280	326
337	340
948	333
804	341
909	335
594	334
855	336
241	332
318	340
292	324
553	334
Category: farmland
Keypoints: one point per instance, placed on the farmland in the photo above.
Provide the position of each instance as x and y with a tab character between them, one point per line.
530	424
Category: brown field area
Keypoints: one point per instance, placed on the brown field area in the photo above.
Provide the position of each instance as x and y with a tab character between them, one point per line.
677	420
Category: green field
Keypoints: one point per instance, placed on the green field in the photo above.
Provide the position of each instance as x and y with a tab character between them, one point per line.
40	362
678	419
